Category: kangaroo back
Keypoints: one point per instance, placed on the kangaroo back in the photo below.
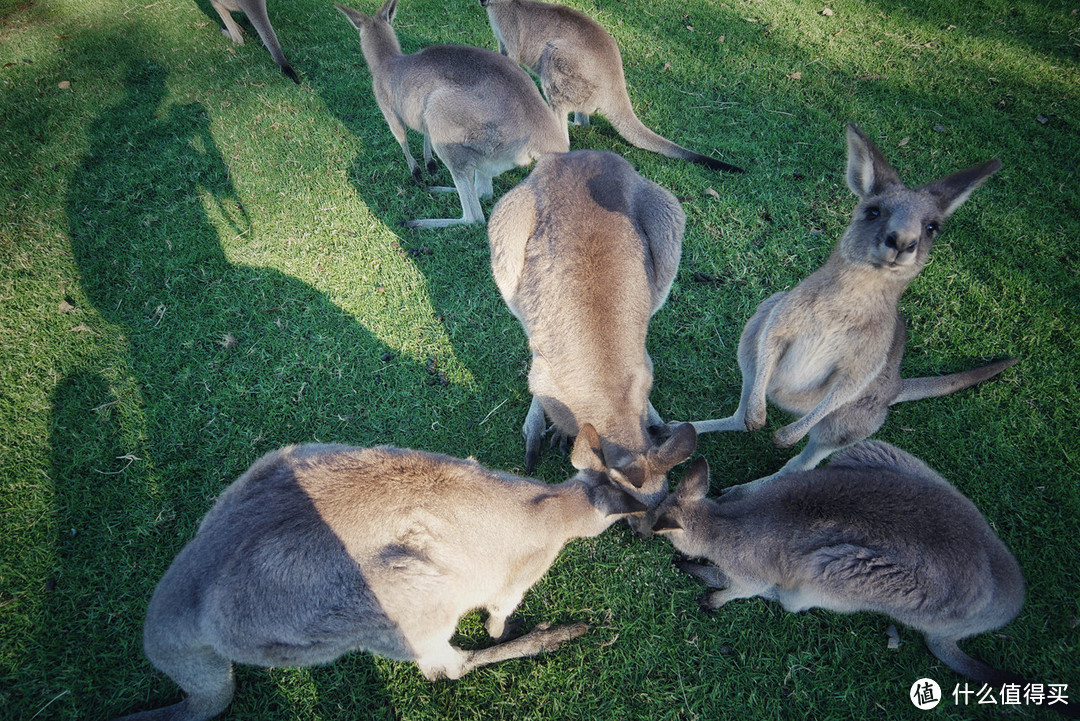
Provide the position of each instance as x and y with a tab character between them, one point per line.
584	251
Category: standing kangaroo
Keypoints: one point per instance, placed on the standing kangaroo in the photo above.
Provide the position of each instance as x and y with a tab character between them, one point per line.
319	550
584	252
479	111
874	530
829	350
256	13
580	70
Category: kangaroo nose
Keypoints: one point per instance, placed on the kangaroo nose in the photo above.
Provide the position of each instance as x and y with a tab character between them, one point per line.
893	240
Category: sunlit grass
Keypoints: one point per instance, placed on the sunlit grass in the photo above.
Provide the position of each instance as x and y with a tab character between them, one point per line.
201	261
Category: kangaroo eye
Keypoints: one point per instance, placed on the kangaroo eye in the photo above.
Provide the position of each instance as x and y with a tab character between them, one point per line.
932	229
873	212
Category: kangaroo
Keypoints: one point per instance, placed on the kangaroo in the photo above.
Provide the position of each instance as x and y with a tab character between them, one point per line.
874	530
830	348
580	70
256	13
584	252
319	550
480	112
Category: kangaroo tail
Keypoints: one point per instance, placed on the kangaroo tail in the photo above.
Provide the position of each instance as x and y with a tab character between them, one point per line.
205	676
913	389
951	655
261	22
626	122
182	711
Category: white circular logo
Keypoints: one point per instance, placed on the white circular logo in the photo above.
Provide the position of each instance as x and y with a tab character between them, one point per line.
925	694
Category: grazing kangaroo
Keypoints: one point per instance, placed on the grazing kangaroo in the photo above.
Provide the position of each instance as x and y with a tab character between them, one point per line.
580	70
829	350
479	111
584	252
318	550
874	530
256	13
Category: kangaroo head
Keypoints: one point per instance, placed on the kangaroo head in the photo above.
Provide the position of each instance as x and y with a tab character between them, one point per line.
644	477
377	37
683	514
893	227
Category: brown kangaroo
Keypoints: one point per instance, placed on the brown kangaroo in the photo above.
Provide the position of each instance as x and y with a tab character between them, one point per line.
584	252
319	550
829	350
580	70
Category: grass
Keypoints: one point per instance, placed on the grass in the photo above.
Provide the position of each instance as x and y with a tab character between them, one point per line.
201	262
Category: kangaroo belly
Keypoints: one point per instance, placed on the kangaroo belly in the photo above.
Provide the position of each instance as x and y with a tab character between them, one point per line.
808	367
801	376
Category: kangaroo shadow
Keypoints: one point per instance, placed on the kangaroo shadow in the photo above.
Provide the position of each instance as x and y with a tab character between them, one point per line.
223	362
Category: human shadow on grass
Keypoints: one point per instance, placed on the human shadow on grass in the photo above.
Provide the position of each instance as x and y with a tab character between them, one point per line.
225	362
100	518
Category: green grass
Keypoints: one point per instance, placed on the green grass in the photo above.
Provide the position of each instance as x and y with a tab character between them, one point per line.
200	261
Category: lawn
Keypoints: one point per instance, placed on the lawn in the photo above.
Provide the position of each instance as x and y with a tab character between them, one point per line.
201	261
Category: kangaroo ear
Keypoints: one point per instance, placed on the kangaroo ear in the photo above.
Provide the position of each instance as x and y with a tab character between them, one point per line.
587	454
388	11
357	18
952	190
674	450
666	523
613	501
868	173
695	484
632	474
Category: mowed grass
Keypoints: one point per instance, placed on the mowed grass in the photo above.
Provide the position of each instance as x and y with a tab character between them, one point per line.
201	261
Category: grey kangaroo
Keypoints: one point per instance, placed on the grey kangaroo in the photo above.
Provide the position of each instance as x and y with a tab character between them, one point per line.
829	350
580	70
319	550
874	530
584	252
256	13
479	111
